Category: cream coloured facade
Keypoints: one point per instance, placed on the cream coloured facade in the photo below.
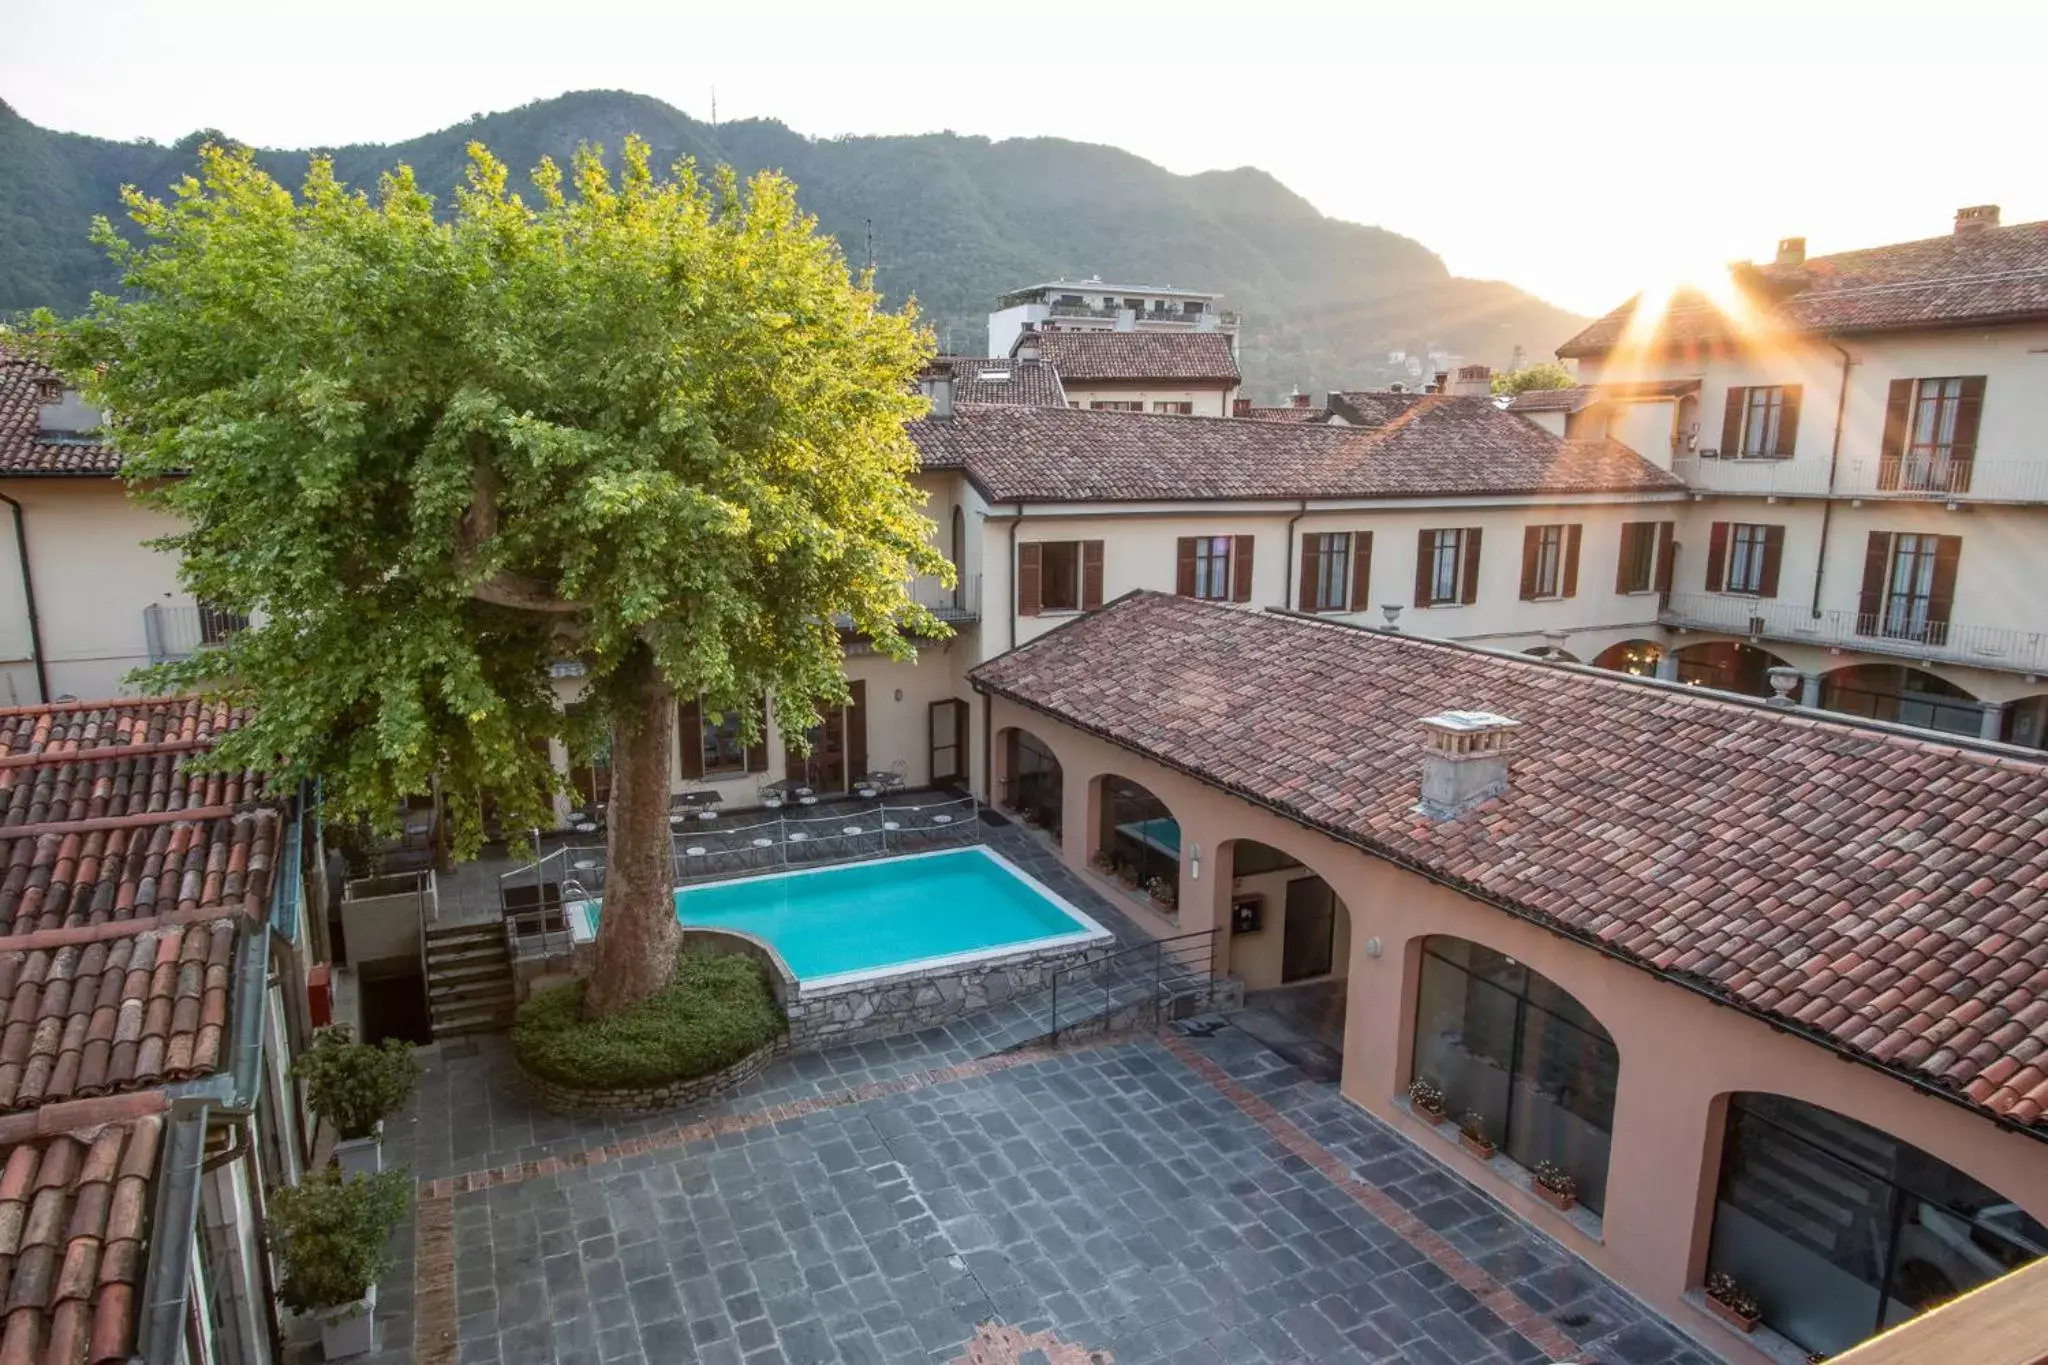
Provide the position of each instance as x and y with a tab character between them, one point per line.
1206	401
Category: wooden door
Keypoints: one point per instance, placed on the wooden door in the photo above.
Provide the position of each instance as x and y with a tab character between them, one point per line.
1310	932
948	730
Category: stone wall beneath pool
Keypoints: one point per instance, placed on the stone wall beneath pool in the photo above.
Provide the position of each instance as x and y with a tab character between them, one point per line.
864	1010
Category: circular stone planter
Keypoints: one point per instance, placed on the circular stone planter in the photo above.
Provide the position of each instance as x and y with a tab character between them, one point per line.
629	1101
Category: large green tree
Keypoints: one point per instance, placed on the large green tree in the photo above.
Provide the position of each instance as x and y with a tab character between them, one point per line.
1544	374
650	424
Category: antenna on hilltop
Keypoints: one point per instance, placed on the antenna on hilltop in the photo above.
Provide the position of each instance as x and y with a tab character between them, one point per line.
714	106
868	229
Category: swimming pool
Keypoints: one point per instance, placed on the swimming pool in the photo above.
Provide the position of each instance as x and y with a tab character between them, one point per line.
916	913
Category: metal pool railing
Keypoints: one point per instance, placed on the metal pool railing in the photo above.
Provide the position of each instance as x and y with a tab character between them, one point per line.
533	896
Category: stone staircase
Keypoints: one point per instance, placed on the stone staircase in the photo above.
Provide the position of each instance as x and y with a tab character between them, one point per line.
469	980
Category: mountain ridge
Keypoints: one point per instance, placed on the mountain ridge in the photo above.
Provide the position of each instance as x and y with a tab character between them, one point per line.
956	220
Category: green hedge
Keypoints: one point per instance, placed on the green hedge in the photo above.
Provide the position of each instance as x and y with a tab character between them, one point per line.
718	1009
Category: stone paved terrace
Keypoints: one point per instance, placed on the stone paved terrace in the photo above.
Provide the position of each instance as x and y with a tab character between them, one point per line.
1185	1197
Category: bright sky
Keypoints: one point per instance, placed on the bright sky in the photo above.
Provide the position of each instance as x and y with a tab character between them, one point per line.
1577	150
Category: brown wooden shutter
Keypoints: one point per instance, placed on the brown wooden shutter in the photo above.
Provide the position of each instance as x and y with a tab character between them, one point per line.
1184	567
1788	422
1571	559
1631	532
690	731
1717	556
1941	593
1532	547
1305	594
1361	571
1666	555
795	766
856	716
1774	556
1969	417
1731	425
1471	593
1877	561
1030	601
757	752
1425	555
1091	574
1898	414
1241	569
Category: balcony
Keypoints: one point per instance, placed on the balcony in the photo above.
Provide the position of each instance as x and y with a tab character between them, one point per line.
955	605
1907	480
173	632
1972	646
1086	310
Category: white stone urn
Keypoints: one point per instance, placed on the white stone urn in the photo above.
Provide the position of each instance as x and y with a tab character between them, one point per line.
351	1328
363	1155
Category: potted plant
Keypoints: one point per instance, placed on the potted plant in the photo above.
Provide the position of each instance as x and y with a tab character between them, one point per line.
329	1235
1732	1303
1472	1135
1556	1186
1103	862
1162	892
1127	875
353	1086
1428	1099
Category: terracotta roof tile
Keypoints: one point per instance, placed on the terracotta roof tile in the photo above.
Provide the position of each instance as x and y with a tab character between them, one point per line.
1290	413
999	379
1434	446
25	386
74	1210
1771	856
1127	357
1993	274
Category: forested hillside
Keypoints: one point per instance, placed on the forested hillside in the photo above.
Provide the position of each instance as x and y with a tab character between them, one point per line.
955	221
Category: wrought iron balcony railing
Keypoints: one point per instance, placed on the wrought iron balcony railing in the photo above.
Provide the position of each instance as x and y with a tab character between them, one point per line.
1898	635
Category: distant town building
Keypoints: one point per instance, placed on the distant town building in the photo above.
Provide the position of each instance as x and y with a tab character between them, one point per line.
1091	305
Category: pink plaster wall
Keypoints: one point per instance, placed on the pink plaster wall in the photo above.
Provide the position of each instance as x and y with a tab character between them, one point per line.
1681	1055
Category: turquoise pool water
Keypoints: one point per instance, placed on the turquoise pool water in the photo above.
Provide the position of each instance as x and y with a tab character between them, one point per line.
891	913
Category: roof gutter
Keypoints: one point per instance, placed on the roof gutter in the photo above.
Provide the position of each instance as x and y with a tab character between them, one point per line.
1287	569
28	593
167	1280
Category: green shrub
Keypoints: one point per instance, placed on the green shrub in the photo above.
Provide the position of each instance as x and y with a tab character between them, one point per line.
718	1009
329	1235
354	1085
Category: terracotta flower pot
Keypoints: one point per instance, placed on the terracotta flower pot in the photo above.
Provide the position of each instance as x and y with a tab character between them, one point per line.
1478	1147
1728	1315
1559	1200
1432	1115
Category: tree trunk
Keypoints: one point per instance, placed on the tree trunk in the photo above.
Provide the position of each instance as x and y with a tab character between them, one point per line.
637	935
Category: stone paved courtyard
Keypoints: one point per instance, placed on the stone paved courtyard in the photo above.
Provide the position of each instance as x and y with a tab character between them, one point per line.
1185	1197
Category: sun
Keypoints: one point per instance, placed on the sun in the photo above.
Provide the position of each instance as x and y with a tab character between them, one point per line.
1710	287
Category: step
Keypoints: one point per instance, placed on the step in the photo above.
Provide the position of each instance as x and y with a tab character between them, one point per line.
467	954
470	993
472	1021
458	973
458	934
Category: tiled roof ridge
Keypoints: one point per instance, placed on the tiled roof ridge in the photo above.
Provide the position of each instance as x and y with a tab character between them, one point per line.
82	935
1986	233
87	1116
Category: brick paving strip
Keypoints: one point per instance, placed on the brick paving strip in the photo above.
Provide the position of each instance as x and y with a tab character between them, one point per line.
1500	1301
434	1268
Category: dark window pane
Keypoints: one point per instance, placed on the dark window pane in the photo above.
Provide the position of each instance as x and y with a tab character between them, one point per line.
1060	575
1564	1098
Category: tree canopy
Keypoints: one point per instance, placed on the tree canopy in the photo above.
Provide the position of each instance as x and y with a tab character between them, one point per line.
649	424
1546	374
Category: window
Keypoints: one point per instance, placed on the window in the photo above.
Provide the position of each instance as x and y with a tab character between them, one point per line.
1842	1230
1645	564
1930	434
1909	586
1183	409
1191	309
1760	423
1106	405
1507	1043
1214	568
1447	567
1744	557
1336	571
1140	839
711	743
1058	575
1550	562
1135	305
216	624
723	751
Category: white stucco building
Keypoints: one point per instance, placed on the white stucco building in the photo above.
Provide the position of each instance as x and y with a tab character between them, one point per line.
1092	305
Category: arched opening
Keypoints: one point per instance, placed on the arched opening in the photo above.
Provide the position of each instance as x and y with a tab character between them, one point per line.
2026	722
1032	787
1899	692
1138	842
1518	1058
1290	943
1630	656
1729	666
1552	652
1840	1230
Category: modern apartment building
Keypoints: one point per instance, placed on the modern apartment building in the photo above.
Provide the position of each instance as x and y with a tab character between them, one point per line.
1091	305
1860	436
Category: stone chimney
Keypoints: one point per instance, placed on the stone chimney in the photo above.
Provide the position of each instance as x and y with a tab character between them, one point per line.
1464	761
1791	251
1240	407
1473	381
1976	218
937	385
1027	344
1299	399
1440	384
64	413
